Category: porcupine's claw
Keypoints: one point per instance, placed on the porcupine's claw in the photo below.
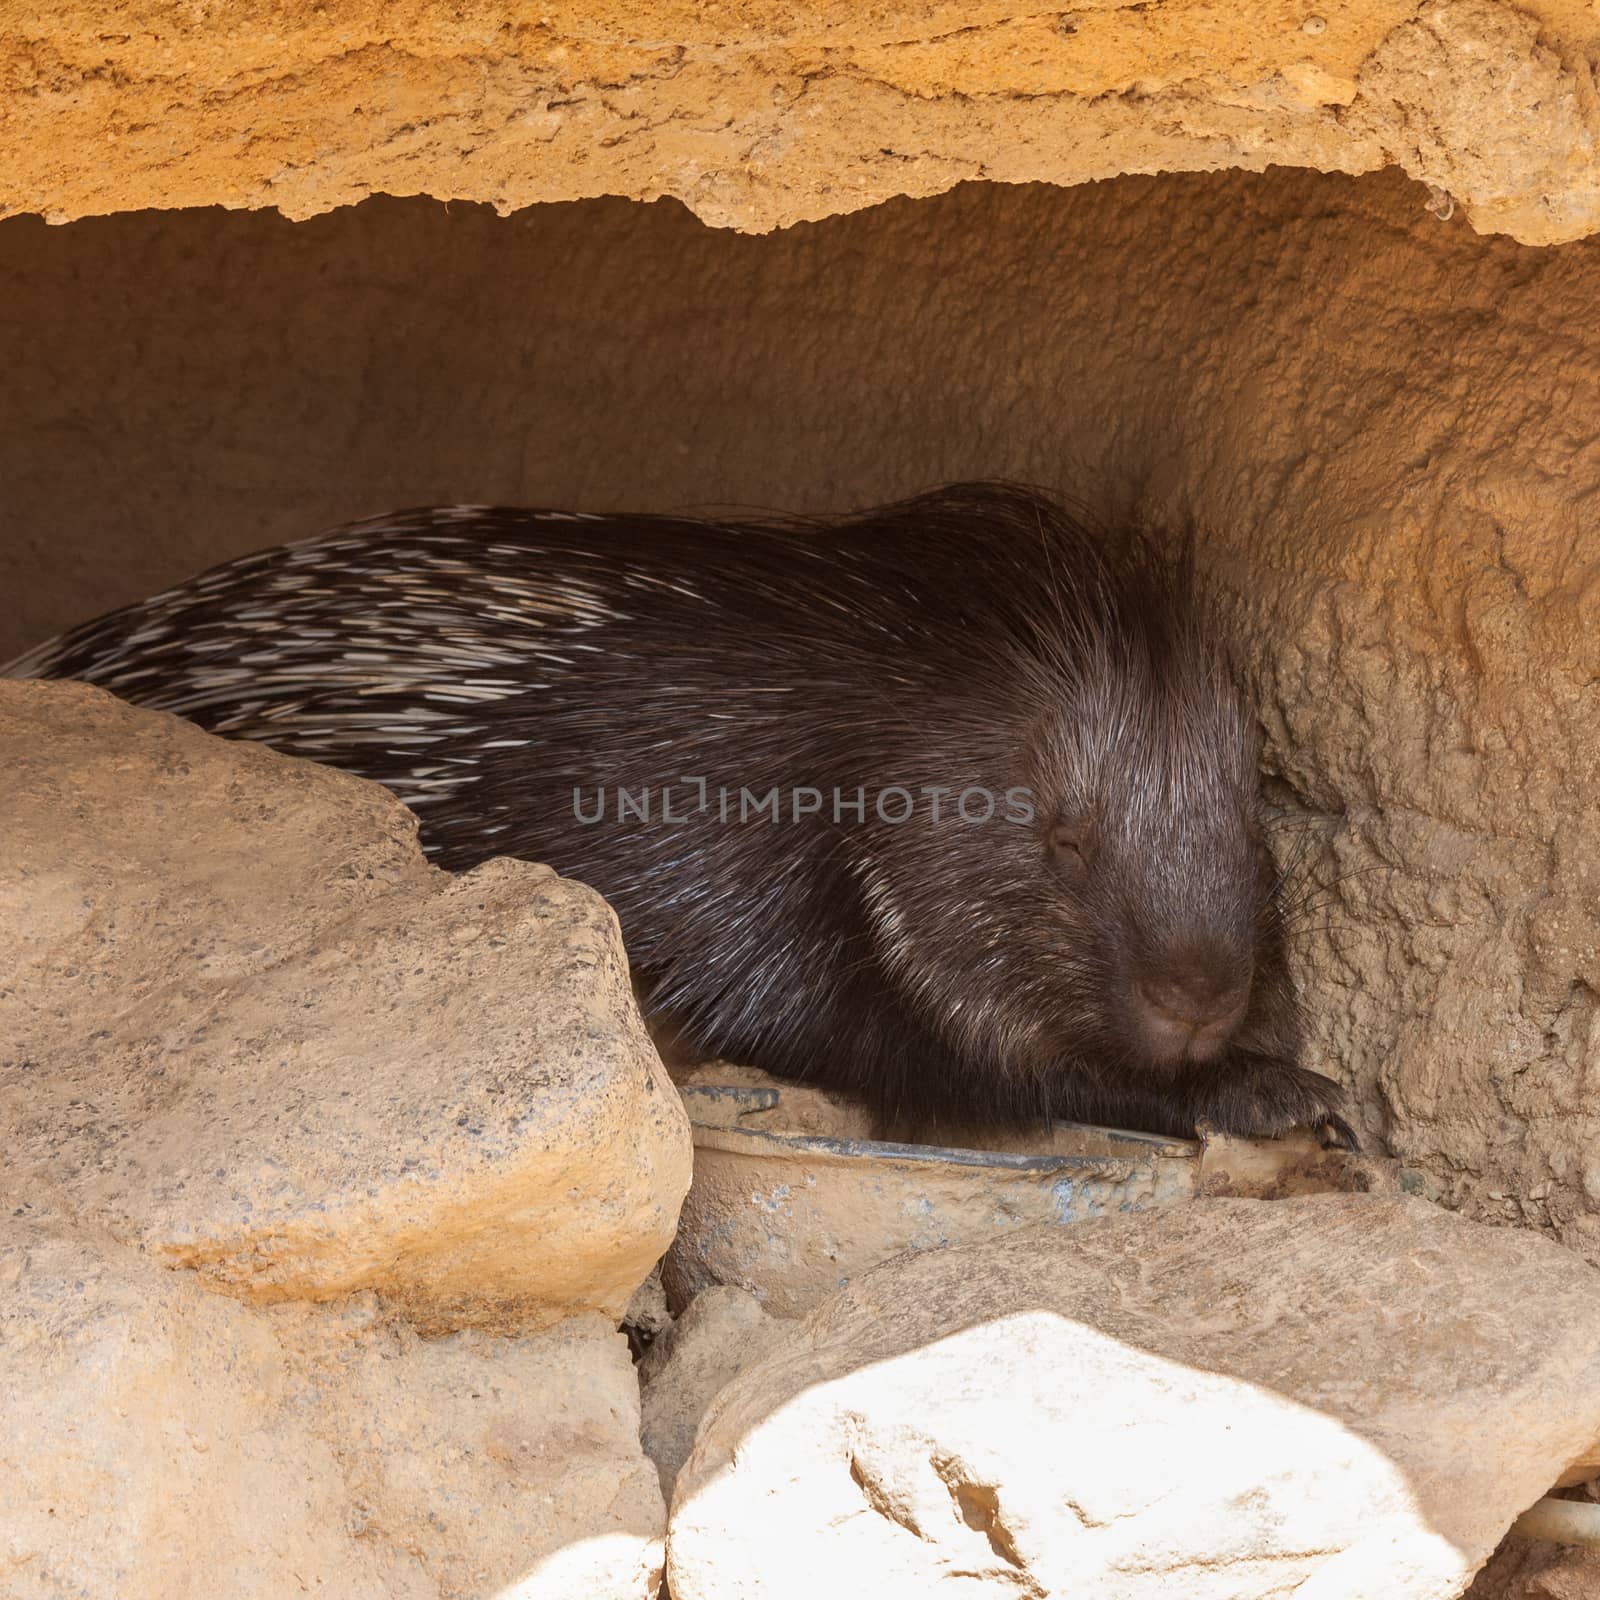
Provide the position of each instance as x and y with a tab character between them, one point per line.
1253	1096
1336	1134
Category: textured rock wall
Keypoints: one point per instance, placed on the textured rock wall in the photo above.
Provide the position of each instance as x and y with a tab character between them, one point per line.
1388	426
765	112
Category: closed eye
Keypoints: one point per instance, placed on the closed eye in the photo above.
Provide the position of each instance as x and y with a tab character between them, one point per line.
1070	845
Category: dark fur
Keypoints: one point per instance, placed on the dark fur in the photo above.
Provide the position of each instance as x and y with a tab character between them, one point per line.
980	636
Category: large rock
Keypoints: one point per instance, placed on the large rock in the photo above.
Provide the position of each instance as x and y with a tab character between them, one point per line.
721	1332
761	114
164	1443
248	1029
1343	1398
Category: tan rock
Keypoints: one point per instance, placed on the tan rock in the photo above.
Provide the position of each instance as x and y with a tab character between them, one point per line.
762	114
1339	1396
1525	1569
648	1316
509	1465
163	1443
135	852
441	1089
794	1195
152	1450
722	1331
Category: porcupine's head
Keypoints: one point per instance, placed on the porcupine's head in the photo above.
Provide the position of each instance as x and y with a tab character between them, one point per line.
1133	923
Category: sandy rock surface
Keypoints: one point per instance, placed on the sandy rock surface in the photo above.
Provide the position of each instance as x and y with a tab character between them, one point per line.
1534	1570
721	1332
1347	1398
767	112
511	1465
166	1443
249	1031
648	1314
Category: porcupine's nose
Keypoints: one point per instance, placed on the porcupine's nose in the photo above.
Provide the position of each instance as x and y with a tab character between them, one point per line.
1190	1008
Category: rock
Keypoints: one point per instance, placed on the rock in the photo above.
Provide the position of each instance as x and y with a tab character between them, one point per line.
721	1332
764	114
782	1208
165	1443
151	1448
510	1465
1524	1569
648	1315
135	852
447	1100
1336	1396
249	1030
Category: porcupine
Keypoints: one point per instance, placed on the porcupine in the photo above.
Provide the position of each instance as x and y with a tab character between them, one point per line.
1108	944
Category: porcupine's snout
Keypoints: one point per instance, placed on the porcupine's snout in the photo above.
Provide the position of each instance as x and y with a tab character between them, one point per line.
1189	1006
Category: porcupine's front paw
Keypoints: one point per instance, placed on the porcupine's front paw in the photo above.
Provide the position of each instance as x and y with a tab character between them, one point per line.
1260	1097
